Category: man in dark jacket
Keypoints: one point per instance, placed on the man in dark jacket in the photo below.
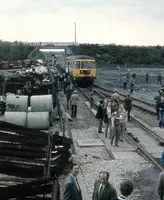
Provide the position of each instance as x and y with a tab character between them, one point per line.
103	190
157	101
69	91
100	115
72	189
128	105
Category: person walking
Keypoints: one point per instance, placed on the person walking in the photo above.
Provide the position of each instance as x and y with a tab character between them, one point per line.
74	102
132	81
157	101
107	119
126	188
123	121
69	92
72	189
103	190
125	81
161	112
116	126
100	115
147	77
159	79
128	105
115	96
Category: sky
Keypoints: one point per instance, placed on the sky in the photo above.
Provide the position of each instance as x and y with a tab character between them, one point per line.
124	22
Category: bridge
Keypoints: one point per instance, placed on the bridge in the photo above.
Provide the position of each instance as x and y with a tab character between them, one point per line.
43	49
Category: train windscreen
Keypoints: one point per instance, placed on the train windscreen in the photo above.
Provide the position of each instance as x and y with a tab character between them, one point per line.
88	64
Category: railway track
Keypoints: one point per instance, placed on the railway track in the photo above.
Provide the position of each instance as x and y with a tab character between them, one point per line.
132	138
138	103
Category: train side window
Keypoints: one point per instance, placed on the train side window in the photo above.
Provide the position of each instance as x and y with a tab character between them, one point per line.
77	64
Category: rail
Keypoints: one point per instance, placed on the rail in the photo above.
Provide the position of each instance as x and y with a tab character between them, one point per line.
130	139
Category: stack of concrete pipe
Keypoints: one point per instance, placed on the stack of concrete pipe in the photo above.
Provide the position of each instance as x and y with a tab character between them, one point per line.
38	116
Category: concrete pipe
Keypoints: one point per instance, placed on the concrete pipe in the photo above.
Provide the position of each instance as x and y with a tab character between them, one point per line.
40	103
38	120
18	118
17	103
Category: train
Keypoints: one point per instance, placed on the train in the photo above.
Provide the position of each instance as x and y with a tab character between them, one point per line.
81	68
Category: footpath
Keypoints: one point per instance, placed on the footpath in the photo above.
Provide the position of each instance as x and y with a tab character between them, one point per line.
122	162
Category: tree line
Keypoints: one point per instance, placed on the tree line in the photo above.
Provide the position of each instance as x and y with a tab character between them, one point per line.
12	51
112	53
120	54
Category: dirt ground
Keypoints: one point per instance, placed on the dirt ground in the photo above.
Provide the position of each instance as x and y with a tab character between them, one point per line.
112	78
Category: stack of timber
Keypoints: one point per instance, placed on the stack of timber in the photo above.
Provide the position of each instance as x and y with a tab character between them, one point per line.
30	162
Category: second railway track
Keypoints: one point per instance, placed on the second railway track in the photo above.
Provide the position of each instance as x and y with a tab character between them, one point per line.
140	135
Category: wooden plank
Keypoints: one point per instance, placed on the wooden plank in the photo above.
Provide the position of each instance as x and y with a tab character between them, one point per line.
25	132
20	129
21	160
23	153
22	140
26	189
21	170
4	145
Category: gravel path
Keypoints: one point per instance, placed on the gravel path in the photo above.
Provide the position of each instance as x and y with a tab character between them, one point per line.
94	159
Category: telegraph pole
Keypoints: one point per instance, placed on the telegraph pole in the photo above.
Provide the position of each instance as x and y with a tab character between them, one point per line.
75	33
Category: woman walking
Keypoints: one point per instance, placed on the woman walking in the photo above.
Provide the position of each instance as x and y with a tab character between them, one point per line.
107	119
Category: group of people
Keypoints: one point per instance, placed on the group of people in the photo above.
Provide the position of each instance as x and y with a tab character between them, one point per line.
159	105
115	116
159	78
103	189
129	79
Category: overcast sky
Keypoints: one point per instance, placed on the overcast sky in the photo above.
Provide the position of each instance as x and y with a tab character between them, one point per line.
131	22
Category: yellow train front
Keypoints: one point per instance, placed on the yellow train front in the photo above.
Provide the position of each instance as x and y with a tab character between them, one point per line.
81	68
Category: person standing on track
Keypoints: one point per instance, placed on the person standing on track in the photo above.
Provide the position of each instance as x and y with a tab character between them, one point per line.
132	81
147	77
116	126
123	122
74	102
100	115
128	105
125	81
107	119
115	96
69	92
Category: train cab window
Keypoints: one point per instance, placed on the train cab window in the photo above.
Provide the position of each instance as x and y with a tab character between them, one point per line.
93	65
88	64
77	64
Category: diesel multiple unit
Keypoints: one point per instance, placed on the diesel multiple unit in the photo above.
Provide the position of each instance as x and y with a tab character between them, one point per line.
81	67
